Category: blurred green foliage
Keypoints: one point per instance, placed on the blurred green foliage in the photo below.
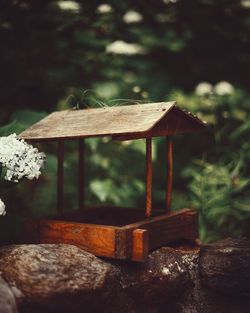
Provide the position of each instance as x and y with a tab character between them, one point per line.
53	58
219	182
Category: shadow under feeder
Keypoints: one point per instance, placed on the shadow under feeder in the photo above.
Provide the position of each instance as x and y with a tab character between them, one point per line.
120	233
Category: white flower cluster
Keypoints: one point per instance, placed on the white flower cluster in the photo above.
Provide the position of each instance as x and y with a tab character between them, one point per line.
222	88
20	159
2	208
132	17
122	47
203	89
245	4
104	8
69	6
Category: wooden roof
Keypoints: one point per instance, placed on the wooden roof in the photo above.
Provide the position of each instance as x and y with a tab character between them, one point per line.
121	122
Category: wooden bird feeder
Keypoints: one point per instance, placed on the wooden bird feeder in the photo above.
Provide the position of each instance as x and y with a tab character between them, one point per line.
109	231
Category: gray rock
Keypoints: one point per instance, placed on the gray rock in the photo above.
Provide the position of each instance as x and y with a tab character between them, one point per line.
7	299
52	276
64	278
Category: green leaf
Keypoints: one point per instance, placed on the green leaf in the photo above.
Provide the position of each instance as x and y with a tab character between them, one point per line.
26	118
13	127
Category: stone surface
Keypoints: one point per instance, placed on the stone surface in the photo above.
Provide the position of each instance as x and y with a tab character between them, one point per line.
7	299
163	273
62	278
51	276
218	278
225	266
156	283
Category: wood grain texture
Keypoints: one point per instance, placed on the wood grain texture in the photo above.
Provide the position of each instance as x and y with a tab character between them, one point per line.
149	174
174	122
60	176
167	228
169	173
140	245
101	240
98	122
96	239
191	223
123	243
133	241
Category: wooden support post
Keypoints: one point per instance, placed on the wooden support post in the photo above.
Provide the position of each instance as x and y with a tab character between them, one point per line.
81	172
169	173
60	178
140	247
149	171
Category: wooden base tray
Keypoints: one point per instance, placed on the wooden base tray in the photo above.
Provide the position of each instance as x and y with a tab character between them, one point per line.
115	233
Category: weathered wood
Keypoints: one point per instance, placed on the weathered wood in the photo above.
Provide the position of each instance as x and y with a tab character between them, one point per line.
123	243
174	122
81	191
60	176
102	240
133	121
140	224
166	228
98	122
133	241
191	225
149	171
169	174
140	245
97	239
121	122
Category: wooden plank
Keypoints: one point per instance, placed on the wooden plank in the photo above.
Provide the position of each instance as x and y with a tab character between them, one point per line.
191	222
149	171
169	174
154	219
175	122
140	245
123	243
98	122
166	228
60	176
132	241
97	239
81	173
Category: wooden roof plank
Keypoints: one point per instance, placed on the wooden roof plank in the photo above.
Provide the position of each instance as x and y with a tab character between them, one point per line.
176	121
106	121
98	122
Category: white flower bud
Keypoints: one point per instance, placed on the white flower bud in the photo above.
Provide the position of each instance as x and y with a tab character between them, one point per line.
2	208
203	89
132	17
223	88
